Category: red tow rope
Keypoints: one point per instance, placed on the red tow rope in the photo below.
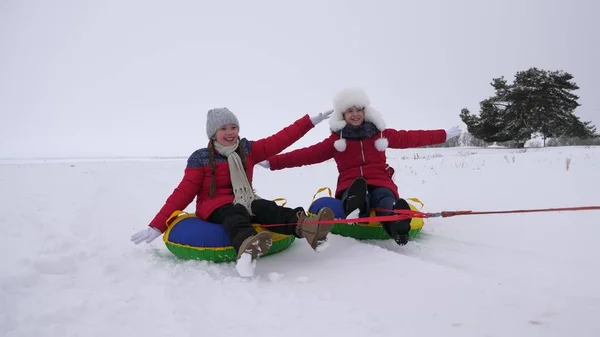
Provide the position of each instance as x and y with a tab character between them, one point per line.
409	214
445	214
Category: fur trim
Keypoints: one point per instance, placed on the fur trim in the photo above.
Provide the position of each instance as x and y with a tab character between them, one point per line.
340	145
374	116
336	125
381	144
348	98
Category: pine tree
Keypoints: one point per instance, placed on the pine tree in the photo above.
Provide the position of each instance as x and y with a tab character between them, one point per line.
538	102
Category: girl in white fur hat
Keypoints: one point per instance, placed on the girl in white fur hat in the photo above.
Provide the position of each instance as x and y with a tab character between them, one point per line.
357	143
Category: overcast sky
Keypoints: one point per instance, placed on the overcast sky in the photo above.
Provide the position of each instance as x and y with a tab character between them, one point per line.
136	78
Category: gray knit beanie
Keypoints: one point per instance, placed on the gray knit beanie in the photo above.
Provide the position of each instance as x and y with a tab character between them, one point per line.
216	118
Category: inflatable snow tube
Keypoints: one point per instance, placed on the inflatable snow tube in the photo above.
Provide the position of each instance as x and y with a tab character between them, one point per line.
191	238
361	231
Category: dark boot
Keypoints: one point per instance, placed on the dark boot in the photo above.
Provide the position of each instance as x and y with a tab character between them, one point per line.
315	234
256	245
356	197
399	229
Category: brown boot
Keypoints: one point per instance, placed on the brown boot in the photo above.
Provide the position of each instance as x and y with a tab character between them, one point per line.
256	245
315	234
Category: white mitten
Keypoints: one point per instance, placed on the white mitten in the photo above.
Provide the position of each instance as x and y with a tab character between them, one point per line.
148	235
316	119
453	132
265	164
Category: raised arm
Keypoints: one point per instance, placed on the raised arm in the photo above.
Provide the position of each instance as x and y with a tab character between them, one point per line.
272	145
403	139
313	154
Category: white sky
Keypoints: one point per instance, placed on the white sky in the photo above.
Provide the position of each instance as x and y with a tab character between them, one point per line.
135	78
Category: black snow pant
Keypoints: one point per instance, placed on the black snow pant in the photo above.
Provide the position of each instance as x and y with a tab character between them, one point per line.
238	223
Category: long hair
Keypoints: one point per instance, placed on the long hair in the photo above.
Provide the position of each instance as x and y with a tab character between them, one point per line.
211	160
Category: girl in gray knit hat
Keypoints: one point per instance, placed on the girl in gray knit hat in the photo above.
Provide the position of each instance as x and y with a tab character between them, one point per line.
220	178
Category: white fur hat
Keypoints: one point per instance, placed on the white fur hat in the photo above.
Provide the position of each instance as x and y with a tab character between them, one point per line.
348	98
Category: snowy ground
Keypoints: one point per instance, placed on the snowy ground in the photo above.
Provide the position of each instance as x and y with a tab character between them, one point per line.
69	269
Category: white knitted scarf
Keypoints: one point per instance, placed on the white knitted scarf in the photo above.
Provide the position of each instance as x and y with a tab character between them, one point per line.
242	191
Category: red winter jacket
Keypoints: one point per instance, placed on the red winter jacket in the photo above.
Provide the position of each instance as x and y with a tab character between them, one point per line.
360	158
197	174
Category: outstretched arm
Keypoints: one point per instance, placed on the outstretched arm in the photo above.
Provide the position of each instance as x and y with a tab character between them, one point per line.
403	139
313	154
272	145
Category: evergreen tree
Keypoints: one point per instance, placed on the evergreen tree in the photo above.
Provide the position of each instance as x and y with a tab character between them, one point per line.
538	101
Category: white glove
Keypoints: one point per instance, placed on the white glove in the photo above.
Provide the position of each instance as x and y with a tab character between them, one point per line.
316	119
453	132
265	164
148	234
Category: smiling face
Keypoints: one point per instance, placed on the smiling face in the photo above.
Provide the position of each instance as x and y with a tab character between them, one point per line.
354	116
227	135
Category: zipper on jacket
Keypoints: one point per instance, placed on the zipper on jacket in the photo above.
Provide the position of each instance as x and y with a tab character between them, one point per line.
362	152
